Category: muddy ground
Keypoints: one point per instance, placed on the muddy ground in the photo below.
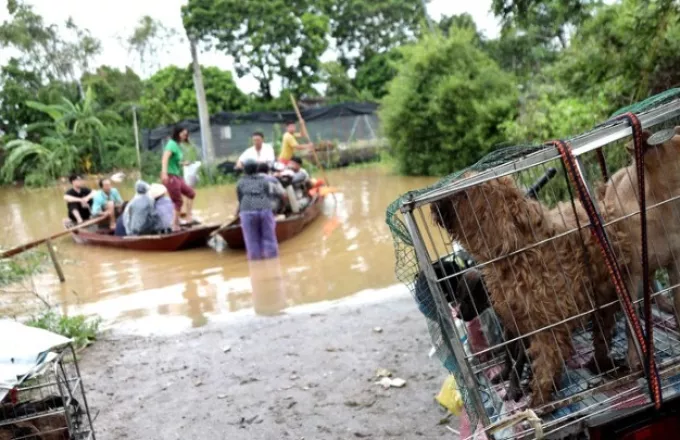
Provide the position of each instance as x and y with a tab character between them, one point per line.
308	374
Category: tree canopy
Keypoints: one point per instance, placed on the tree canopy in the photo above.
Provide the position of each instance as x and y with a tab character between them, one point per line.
447	95
287	44
169	95
444	108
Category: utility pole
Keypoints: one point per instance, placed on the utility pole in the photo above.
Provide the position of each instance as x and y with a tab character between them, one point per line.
136	128
203	115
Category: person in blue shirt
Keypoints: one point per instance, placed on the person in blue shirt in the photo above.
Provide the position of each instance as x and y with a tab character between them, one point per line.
107	201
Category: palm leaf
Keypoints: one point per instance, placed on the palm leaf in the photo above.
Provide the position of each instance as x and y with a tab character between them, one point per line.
53	111
21	152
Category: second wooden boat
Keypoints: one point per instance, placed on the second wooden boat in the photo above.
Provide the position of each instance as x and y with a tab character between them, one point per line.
285	229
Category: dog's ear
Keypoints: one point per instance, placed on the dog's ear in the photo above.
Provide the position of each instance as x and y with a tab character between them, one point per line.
630	146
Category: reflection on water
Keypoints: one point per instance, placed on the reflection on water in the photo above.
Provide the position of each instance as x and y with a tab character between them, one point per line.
346	250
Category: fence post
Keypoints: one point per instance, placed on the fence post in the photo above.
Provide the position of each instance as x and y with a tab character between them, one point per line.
53	257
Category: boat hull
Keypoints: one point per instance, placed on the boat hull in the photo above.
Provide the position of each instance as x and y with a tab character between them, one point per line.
176	241
285	229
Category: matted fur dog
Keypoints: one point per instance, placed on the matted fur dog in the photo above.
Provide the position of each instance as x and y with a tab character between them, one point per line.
537	287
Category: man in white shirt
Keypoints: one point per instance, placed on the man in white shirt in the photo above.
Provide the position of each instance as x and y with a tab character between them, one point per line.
258	152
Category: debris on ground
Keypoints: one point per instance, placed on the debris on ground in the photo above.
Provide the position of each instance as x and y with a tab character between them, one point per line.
377	329
387	382
383	372
226	349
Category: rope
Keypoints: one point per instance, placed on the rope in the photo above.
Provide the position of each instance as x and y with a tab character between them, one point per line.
603	164
517	418
650	365
600	236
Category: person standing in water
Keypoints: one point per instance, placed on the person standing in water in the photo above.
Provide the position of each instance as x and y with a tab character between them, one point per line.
289	144
171	176
255	210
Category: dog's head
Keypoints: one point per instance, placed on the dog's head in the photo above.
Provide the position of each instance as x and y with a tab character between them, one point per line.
489	219
444	269
472	295
663	159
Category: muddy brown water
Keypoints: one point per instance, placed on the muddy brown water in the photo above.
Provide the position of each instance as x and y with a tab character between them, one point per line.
346	250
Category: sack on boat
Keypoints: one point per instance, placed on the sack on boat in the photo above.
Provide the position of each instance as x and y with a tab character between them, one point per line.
191	173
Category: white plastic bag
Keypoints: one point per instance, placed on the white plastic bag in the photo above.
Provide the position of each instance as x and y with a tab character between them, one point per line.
191	173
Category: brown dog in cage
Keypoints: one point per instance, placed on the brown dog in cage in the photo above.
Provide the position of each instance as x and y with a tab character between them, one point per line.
662	184
538	280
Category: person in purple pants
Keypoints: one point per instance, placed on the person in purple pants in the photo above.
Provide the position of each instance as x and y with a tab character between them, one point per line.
255	210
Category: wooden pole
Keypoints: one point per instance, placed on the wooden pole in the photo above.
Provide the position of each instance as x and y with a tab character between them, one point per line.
24	247
53	256
136	128
303	130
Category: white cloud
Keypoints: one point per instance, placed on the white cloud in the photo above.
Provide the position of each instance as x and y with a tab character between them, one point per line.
111	20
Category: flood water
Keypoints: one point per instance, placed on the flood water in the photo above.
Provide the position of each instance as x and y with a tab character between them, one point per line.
346	250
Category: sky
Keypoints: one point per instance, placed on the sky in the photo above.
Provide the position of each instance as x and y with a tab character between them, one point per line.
112	20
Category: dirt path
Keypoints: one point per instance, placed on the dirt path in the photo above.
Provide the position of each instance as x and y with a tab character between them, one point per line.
301	375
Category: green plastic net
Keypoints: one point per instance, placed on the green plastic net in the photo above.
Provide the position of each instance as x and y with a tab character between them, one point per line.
407	266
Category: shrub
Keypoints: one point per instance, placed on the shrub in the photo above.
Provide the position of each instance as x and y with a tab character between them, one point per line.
443	110
82	330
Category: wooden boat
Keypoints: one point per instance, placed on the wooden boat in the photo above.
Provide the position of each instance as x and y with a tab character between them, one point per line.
285	229
185	239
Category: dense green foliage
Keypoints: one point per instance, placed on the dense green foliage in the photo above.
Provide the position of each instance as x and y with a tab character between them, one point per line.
444	109
448	95
169	95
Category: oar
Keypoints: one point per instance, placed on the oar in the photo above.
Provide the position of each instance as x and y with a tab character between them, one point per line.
303	130
225	225
24	247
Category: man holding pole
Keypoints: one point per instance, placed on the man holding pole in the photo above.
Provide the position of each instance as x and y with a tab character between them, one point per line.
289	144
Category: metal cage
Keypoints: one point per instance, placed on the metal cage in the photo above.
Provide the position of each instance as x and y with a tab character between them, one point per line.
49	404
547	252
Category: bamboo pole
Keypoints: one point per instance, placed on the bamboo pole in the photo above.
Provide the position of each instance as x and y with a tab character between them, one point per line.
24	247
303	130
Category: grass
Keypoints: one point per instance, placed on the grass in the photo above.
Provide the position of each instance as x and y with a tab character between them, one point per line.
81	329
26	264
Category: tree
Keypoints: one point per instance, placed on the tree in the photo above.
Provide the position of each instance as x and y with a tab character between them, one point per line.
18	85
339	86
444	108
364	28
624	53
460	21
374	75
114	87
81	123
169	95
47	49
148	40
551	18
268	39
